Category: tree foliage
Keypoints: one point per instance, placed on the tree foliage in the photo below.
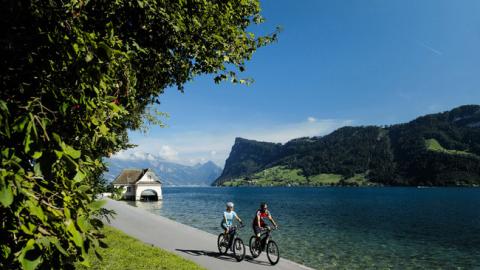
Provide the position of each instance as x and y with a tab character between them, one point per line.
75	76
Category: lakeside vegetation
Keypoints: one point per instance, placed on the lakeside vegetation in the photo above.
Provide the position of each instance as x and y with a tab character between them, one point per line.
283	176
126	252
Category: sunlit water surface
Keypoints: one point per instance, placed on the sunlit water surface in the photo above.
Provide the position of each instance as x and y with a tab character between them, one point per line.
350	228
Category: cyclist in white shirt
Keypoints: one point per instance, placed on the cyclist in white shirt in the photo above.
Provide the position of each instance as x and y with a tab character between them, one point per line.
228	217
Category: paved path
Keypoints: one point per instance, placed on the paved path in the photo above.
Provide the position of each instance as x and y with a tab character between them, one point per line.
186	241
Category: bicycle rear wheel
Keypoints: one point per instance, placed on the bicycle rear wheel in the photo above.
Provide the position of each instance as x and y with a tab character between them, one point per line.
239	249
255	247
273	254
222	244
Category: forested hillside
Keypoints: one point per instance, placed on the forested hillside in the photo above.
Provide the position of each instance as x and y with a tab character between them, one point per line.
438	149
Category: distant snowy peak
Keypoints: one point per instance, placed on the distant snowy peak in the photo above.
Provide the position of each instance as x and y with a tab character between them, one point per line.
171	173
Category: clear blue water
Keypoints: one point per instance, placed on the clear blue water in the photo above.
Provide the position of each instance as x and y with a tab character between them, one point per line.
348	228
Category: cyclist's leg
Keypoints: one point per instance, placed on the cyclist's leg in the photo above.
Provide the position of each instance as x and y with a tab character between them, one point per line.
257	231
264	239
225	228
231	237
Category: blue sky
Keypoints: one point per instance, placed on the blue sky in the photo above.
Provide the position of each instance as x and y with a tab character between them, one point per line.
336	63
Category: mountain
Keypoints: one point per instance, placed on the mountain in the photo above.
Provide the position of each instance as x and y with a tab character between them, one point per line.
170	173
440	149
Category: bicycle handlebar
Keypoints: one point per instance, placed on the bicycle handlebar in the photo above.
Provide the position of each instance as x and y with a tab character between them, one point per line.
268	228
238	226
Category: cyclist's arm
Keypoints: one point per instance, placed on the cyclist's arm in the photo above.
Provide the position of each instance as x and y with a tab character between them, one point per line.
258	220
271	219
238	218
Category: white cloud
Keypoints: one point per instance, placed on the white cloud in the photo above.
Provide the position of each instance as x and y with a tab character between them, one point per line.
284	133
168	153
165	153
198	147
134	155
311	119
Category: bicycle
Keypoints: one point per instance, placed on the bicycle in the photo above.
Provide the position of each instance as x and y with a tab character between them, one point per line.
233	242
258	244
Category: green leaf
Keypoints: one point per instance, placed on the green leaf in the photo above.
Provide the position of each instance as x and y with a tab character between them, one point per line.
36	210
66	211
89	57
58	153
6	196
3	106
94	121
103	85
58	246
79	176
27	143
56	136
37	155
37	169
76	236
72	152
95	205
20	123
75	47
103	129
83	223
27	263
83	188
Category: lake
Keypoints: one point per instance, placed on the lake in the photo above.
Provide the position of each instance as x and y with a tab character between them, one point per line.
351	228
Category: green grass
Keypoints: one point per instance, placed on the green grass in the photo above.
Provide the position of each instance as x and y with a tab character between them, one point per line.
125	252
359	179
324	179
434	145
279	176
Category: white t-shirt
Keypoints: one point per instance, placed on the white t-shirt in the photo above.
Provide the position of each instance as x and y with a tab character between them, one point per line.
228	217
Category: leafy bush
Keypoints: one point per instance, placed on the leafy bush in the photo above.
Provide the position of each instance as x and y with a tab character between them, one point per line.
74	77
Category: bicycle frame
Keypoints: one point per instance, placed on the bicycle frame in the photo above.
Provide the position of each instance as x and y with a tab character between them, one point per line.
232	233
265	237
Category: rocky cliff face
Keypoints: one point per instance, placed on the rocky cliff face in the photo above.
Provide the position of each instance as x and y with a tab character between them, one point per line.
246	157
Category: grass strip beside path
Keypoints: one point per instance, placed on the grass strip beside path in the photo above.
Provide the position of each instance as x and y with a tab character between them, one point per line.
126	252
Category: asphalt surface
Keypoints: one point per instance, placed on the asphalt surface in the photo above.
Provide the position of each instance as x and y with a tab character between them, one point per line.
186	241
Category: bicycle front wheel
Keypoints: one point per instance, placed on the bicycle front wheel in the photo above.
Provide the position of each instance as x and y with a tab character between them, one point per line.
222	244
255	247
239	249
273	254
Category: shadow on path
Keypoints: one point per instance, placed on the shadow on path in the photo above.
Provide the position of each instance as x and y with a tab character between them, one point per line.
219	256
207	253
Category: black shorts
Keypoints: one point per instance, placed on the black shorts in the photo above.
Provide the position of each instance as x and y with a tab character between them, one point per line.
257	230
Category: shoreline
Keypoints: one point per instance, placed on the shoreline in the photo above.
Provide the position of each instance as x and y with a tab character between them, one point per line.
189	242
325	186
